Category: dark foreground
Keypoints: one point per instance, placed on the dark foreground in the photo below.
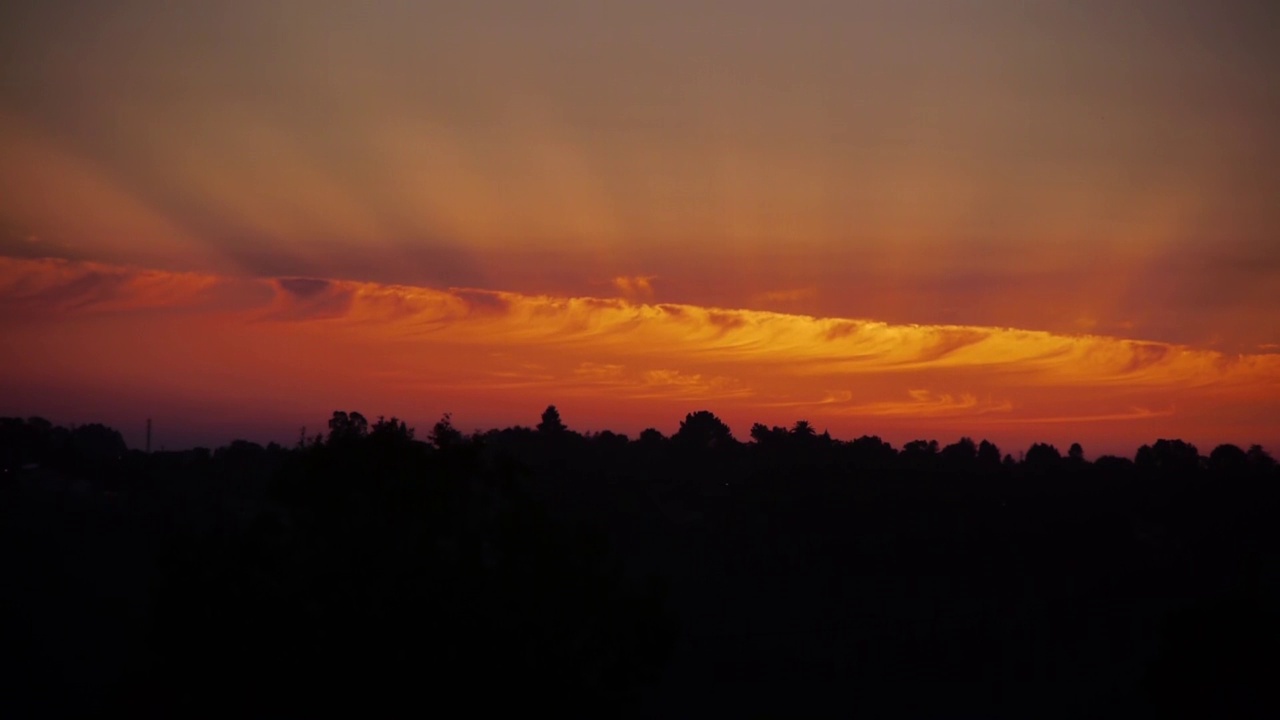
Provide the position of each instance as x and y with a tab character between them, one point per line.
792	576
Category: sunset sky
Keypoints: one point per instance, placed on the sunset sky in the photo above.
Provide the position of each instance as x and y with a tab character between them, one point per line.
915	218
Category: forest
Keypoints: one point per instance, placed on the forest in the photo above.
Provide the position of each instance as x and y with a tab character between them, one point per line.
374	569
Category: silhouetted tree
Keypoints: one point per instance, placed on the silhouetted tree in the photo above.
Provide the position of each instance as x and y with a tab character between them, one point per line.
769	437
1174	458
1259	460
1075	453
869	451
1042	457
759	432
652	446
345	427
960	454
239	451
391	431
444	434
1113	465
609	440
96	442
703	430
920	454
988	455
1145	459
651	436
1229	459
372	571
551	424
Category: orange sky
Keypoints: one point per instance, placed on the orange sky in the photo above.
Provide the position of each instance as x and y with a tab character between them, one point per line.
211	355
1085	172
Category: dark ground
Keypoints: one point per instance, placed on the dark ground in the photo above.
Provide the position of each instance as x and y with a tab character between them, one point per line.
793	577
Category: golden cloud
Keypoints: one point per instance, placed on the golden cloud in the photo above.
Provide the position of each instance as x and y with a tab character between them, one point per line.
388	341
635	286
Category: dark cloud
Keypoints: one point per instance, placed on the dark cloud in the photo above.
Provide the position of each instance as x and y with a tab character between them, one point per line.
1145	355
83	290
1205	295
419	263
310	299
946	341
262	259
483	301
19	241
841	329
42	287
725	321
303	288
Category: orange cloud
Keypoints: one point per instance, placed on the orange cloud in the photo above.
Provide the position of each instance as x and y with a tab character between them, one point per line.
304	345
923	403
47	285
640	286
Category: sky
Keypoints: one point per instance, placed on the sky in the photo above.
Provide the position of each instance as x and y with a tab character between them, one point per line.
922	218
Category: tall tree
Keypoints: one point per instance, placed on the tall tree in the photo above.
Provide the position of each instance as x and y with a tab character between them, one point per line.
551	423
702	429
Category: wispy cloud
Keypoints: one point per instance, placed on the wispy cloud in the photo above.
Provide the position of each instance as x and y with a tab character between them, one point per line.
358	339
1133	413
634	287
47	285
924	403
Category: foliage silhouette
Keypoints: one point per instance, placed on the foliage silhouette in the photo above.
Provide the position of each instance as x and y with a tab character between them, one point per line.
551	423
702	430
794	574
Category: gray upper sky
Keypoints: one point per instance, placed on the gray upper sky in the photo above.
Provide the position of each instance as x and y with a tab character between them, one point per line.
1100	166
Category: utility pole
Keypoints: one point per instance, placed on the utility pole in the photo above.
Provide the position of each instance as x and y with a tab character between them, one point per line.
148	436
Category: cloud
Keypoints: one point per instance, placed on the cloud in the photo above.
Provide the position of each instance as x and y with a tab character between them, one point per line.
303	288
44	286
599	372
791	345
619	380
416	260
636	286
619	356
924	403
482	301
309	299
1133	413
918	403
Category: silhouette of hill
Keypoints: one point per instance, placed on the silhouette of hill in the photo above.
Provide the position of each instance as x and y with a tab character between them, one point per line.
791	574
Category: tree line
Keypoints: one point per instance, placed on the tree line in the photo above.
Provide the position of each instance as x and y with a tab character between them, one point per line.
371	569
24	442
